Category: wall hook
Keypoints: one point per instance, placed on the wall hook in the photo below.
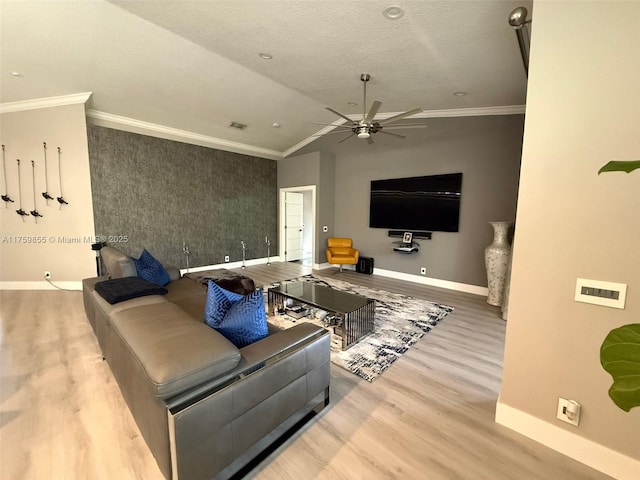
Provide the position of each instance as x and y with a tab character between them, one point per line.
45	194
6	196
34	212
60	199
20	211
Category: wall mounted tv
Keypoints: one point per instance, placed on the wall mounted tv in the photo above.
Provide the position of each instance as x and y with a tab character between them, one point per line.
429	203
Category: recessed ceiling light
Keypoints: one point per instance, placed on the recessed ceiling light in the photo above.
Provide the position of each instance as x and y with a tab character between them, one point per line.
238	125
276	125
16	74
459	94
393	12
265	56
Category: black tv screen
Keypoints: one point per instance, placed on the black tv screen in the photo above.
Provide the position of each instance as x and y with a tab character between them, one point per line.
429	203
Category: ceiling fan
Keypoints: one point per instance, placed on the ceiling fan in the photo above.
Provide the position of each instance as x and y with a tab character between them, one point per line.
368	125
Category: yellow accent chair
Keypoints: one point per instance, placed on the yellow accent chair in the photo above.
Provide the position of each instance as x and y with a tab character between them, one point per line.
340	251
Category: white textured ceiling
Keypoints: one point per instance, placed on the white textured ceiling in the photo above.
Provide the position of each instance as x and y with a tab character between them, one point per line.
194	65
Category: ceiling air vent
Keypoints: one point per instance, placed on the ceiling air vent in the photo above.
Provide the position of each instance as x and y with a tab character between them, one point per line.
238	125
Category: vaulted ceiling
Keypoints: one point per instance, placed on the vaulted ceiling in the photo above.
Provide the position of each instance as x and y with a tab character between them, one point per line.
195	66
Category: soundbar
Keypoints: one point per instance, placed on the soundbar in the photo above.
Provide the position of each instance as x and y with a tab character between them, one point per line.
417	234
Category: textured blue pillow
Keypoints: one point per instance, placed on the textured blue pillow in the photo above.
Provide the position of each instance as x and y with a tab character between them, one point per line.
240	318
151	269
219	301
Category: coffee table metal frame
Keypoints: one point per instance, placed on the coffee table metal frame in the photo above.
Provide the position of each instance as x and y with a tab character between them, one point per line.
354	313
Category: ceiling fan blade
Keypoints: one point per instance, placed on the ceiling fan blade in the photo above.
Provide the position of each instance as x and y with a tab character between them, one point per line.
395	127
399	116
347	138
334	132
340	115
375	106
329	125
394	134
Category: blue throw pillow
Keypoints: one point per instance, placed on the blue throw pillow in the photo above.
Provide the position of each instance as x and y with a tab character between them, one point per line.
219	301
240	318
151	269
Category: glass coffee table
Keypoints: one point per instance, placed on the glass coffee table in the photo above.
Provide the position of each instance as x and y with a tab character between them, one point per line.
352	315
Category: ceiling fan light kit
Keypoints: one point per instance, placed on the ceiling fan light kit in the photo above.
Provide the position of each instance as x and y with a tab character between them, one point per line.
369	125
363	133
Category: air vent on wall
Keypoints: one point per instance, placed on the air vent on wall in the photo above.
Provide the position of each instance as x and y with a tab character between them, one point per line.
238	125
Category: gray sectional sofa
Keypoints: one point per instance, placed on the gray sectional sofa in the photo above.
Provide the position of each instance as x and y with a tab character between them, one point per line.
205	408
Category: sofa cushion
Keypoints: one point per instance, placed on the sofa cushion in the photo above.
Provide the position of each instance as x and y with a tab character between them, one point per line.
110	309
120	289
151	269
240	318
188	295
175	352
219	301
117	264
246	320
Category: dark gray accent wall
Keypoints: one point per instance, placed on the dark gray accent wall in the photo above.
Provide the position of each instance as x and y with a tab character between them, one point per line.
159	193
486	150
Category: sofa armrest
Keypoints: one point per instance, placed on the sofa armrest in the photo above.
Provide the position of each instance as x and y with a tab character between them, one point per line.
261	354
220	430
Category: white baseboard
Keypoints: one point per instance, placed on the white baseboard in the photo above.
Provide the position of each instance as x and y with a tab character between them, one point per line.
248	263
434	282
41	285
583	450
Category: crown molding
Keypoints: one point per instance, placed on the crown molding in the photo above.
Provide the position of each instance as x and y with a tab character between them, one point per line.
468	112
315	136
118	122
454	112
47	102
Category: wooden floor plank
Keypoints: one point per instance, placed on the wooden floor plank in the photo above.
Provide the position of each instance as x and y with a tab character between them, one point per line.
429	416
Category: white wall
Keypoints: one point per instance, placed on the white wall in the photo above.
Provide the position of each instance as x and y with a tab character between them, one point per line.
583	109
60	241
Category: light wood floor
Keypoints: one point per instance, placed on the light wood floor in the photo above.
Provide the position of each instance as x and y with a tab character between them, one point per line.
429	416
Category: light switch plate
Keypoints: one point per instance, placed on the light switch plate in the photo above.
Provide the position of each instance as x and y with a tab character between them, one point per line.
591	291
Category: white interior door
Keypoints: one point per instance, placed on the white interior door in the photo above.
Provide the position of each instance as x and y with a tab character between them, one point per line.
293	226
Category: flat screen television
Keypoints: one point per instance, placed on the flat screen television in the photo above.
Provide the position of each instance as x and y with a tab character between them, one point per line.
430	203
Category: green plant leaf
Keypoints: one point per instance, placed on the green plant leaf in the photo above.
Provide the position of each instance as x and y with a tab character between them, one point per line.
620	356
620	166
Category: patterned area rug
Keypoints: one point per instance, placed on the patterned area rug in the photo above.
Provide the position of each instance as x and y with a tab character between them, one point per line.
400	322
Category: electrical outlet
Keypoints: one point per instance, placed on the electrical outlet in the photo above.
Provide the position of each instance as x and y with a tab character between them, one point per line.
47	275
226	258
568	411
423	270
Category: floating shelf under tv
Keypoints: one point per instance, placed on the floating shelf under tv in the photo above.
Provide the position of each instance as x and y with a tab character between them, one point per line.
417	234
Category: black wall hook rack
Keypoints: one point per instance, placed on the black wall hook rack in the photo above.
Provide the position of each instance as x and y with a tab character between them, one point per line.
45	194
6	198
34	212
20	211
60	199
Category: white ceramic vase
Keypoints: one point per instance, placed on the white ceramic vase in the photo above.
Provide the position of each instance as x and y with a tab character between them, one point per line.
496	260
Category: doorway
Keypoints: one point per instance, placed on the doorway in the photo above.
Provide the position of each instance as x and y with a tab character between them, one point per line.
297	224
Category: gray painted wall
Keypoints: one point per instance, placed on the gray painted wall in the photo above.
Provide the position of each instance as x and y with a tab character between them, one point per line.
486	150
159	192
314	168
